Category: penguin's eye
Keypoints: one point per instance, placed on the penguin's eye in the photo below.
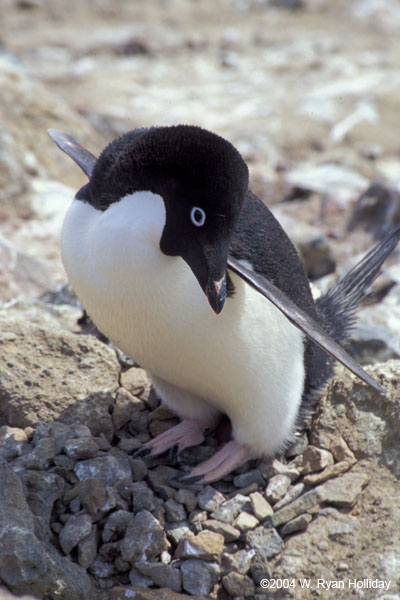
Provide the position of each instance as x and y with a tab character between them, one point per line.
198	216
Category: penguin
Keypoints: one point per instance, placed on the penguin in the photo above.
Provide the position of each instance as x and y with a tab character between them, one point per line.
184	269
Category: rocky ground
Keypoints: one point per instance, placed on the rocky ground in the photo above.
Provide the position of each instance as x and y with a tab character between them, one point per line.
309	93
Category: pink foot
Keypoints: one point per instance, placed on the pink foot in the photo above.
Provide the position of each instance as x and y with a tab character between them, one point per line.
189	432
228	458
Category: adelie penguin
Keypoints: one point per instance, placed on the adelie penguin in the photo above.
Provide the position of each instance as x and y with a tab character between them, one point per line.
189	273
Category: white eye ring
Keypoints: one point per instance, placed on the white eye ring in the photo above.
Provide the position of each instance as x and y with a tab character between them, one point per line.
198	216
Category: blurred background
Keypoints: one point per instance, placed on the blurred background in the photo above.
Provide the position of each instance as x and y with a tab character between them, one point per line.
308	90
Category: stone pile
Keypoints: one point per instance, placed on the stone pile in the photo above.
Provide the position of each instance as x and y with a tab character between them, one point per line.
79	515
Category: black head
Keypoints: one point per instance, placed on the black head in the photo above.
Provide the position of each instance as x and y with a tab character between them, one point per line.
203	181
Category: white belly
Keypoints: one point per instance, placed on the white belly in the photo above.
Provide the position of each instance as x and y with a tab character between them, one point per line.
247	361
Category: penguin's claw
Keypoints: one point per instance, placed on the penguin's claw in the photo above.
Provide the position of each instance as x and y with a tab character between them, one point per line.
228	458
189	432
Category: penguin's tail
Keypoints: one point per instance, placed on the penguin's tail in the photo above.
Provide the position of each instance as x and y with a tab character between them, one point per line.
336	308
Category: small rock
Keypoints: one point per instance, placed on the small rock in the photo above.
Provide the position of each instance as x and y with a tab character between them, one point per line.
126	408
142	497
229	509
109	469
266	541
158	480
297	524
237	584
144	538
91	493
297	447
116	525
138	579
260	568
206	545
197	516
343	491
250	477
81	448
175	531
210	499
291	495
260	507
295	508
137	382
329	472
174	510
239	562
340	450
198	576
244	521
315	459
41	456
101	568
139	469
87	548
161	575
76	529
277	488
229	532
187	498
6	432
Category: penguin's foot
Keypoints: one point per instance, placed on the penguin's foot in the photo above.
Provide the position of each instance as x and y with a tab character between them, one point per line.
228	458
189	432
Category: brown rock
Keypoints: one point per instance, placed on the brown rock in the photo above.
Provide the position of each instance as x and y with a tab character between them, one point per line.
315	459
206	545
343	491
329	472
137	382
52	374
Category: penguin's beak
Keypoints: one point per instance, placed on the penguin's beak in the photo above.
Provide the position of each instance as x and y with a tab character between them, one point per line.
216	293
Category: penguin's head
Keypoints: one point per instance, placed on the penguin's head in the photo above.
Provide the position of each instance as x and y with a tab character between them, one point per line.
202	180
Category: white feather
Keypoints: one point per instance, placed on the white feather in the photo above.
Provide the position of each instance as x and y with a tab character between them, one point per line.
247	362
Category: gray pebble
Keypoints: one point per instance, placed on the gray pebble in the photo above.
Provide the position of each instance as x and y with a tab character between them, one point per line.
102	569
293	493
295	508
87	548
116	524
210	499
81	448
144	538
277	488
139	469
237	584
109	469
175	531
266	541
199	576
75	529
239	562
41	456
297	524
163	576
186	497
229	509
250	477
142	497
137	579
174	510
229	532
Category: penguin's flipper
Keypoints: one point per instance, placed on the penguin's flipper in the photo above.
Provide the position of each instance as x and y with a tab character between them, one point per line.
190	432
83	158
301	320
231	456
